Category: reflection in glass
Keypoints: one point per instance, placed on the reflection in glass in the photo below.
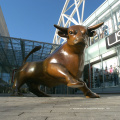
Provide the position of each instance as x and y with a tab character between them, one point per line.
110	73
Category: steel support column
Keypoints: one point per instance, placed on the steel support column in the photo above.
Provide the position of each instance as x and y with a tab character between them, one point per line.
13	51
22	43
102	72
90	74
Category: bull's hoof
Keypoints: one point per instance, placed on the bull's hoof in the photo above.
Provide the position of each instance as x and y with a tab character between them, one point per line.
75	85
92	95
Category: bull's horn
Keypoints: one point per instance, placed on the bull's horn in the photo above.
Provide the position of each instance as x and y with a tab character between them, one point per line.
95	26
61	28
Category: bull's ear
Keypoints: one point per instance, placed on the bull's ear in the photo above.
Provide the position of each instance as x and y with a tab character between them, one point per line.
62	34
95	26
90	30
63	31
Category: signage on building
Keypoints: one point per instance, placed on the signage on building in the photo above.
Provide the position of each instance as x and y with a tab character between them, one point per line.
113	40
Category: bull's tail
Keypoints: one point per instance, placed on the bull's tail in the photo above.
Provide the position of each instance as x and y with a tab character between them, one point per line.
32	51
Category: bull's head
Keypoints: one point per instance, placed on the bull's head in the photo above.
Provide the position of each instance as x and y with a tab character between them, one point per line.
77	34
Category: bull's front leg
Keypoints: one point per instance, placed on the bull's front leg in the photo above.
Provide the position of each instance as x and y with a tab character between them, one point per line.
58	71
87	92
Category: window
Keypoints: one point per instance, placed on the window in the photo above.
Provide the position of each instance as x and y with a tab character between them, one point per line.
118	18
115	21
109	72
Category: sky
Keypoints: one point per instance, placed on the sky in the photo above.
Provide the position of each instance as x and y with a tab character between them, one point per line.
34	19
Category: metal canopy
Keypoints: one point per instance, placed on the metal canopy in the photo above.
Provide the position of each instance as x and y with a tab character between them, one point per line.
14	50
67	17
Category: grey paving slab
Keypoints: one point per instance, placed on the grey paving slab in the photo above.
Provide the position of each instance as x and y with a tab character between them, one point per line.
60	108
8	117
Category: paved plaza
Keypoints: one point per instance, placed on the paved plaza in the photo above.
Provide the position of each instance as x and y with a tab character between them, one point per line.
72	107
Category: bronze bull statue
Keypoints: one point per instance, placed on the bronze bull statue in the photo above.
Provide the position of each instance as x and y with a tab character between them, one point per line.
64	66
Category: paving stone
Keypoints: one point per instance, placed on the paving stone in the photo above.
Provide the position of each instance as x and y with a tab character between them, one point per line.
8	117
60	108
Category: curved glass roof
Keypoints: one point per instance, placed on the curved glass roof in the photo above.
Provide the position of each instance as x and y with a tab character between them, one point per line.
14	50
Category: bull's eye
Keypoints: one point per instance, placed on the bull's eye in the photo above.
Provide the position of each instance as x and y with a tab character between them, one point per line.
75	32
70	32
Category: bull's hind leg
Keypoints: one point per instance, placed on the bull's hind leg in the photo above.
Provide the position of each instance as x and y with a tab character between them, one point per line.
35	89
18	82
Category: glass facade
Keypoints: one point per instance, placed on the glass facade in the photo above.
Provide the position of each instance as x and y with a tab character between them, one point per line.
102	65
